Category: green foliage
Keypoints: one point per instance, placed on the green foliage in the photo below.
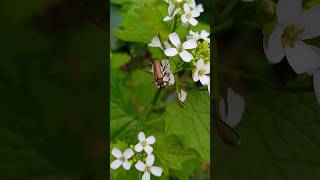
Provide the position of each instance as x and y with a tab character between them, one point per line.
191	123
142	24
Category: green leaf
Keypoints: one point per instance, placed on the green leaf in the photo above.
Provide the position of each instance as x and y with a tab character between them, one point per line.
191	123
170	154
143	24
119	59
120	116
188	169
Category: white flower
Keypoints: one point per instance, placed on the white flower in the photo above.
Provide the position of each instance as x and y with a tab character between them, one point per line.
201	73
189	16
144	143
172	1
172	12
204	35
180	48
294	25
155	42
182	95
148	168
168	77
236	107
193	6
122	158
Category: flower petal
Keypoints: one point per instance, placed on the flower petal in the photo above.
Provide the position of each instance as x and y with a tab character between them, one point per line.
186	8
146	176
311	23
200	8
140	166
186	56
126	165
208	87
275	50
170	9
171	52
207	69
128	153
193	21
138	147
174	38
167	18
182	95
200	64
316	84
190	44
288	11
116	164
204	79
116	152
150	160
151	140
303	57
141	136
195	76
204	34
184	19
157	171
155	42
148	149
222	109
235	108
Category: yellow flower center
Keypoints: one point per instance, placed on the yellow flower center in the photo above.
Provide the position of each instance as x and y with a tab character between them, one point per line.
291	34
122	159
144	143
148	168
188	15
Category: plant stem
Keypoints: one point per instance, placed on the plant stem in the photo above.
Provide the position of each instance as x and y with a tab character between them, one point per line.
146	115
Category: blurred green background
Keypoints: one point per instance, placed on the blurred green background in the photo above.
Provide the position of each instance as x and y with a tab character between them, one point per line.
52	89
280	137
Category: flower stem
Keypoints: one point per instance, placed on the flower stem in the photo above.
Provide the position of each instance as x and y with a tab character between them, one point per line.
145	116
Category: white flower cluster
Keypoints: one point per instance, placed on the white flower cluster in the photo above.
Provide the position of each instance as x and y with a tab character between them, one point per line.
194	50
294	26
127	157
188	10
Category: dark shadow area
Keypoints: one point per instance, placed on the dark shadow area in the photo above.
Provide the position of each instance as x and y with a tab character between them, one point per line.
53	89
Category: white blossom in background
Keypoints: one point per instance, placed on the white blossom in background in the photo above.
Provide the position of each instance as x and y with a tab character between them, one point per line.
182	95
155	42
316	83
172	12
294	26
144	143
179	48
204	35
189	16
202	73
236	108
122	158
148	168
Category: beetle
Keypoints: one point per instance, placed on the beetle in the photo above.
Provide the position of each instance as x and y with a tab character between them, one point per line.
159	73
